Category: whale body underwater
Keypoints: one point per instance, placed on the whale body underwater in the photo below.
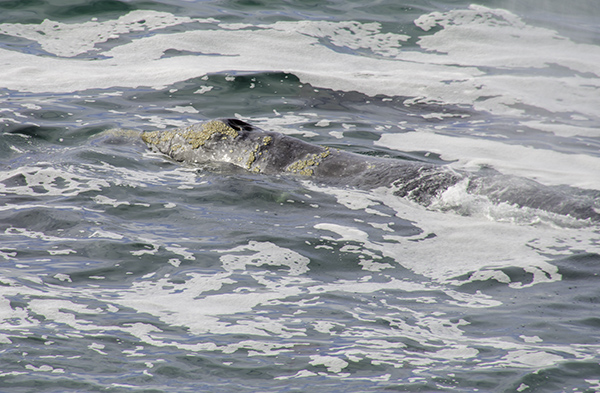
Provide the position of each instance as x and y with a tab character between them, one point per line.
256	150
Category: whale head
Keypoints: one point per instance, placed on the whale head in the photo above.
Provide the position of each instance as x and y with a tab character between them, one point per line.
236	142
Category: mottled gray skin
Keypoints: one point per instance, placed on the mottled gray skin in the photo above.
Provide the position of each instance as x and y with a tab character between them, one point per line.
239	143
272	153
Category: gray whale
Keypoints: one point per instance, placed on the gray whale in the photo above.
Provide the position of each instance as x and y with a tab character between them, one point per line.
244	145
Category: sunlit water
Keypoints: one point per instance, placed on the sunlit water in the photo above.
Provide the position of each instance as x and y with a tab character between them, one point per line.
122	271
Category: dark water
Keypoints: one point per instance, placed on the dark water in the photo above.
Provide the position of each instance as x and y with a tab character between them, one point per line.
121	270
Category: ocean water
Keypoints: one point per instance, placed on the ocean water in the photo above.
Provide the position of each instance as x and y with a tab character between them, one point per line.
123	271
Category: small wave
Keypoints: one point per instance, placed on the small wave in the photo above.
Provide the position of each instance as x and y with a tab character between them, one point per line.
461	199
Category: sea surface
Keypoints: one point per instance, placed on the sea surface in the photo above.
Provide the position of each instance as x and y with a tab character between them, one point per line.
124	271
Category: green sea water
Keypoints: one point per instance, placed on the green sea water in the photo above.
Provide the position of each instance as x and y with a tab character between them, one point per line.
124	271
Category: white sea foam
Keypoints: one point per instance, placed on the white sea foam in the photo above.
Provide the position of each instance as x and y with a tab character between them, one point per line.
34	180
264	253
70	180
448	70
467	241
199	302
71	39
546	166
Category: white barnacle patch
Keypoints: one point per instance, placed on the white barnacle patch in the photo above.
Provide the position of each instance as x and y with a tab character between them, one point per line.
253	162
175	141
306	165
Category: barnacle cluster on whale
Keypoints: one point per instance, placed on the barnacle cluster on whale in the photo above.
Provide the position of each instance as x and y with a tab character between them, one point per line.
192	135
306	165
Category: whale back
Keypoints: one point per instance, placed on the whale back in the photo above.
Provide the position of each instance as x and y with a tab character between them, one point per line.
236	142
239	143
